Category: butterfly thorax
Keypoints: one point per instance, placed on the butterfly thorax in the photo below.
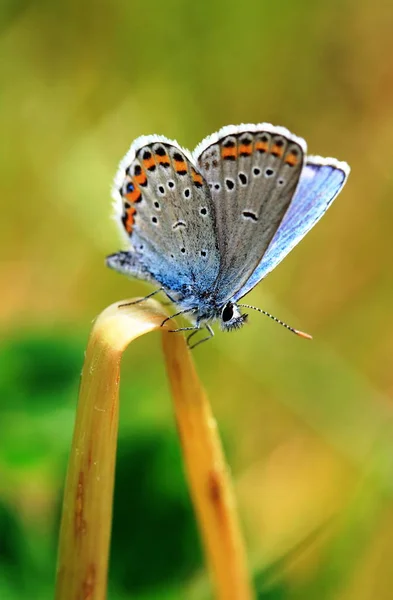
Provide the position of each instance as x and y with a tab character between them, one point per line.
204	306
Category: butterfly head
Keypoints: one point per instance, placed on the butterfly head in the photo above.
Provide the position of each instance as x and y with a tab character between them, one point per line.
231	317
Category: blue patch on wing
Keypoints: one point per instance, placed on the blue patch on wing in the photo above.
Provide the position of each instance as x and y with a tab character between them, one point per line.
320	182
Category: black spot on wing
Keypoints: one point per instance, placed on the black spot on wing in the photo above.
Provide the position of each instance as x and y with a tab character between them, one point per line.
243	178
247	214
179	224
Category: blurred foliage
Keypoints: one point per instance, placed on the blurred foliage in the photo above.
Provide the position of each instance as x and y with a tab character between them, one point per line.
308	425
165	539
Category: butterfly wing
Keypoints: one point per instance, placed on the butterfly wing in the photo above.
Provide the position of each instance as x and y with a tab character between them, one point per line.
164	207
252	172
320	182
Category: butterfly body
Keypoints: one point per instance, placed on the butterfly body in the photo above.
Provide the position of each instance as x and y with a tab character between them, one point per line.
201	302
207	227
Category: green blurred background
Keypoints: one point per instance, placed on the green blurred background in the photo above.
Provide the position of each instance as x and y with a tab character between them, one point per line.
307	427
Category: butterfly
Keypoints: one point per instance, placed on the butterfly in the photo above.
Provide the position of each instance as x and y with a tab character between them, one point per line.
206	227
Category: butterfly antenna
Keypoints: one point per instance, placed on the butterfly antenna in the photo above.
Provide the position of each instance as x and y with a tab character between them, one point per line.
302	334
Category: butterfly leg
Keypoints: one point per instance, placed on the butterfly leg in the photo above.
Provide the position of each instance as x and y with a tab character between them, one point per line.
194	329
190	336
142	299
171	300
211	334
181	312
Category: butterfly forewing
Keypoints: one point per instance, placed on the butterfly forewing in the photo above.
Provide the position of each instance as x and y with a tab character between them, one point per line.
252	172
320	182
165	208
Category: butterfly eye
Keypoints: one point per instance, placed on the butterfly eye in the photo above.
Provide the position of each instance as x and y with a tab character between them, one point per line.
231	317
129	187
227	313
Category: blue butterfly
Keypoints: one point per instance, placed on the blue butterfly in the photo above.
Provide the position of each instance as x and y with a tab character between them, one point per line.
206	227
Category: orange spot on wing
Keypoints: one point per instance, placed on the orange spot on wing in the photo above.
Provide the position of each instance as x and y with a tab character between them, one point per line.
231	151
140	179
180	165
135	195
162	159
148	162
129	219
196	177
291	160
243	149
261	146
277	150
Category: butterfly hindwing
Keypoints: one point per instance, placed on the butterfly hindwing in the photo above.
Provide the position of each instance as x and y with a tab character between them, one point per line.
252	172
320	182
164	207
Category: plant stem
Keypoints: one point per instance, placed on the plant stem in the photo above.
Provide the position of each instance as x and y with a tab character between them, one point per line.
209	480
87	509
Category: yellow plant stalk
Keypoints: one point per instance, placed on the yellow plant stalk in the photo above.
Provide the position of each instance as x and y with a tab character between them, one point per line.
87	509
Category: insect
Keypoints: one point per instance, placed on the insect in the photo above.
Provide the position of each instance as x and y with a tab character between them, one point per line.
207	227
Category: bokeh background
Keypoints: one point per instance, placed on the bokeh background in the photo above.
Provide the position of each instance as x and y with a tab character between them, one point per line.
307	427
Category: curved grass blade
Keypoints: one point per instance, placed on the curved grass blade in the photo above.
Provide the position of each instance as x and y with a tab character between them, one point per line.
87	509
